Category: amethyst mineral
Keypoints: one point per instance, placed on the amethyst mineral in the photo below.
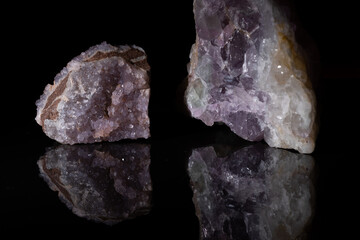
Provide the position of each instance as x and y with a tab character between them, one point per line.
247	71
101	95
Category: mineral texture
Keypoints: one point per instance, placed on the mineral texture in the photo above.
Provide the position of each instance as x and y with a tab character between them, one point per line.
106	183
256	192
101	95
247	71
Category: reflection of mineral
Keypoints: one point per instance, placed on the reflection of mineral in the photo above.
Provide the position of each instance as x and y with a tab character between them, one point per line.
254	193
107	183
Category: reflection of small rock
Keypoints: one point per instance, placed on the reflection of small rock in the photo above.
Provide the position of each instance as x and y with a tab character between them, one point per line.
106	183
256	192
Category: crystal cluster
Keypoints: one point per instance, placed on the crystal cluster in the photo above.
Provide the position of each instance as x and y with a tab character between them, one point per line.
247	71
256	192
106	183
101	95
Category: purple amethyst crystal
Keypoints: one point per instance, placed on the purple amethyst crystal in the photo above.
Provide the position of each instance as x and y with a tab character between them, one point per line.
248	72
101	95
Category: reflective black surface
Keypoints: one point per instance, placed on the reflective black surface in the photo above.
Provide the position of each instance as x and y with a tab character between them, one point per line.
93	182
239	191
168	206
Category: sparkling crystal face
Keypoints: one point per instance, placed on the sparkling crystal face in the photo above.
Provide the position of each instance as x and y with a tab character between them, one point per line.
247	71
102	95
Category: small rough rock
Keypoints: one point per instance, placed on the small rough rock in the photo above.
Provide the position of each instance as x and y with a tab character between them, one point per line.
256	192
105	183
247	71
101	95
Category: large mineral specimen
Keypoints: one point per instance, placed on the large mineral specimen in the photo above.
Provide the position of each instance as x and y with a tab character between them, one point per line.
102	95
106	183
248	72
256	192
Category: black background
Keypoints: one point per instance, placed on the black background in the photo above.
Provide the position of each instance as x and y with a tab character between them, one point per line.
38	41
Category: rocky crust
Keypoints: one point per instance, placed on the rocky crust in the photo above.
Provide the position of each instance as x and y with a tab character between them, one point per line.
101	95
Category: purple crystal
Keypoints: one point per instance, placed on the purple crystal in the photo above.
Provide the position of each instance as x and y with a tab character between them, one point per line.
246	125
248	72
102	95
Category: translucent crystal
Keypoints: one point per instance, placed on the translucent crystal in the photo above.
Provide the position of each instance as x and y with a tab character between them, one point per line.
247	71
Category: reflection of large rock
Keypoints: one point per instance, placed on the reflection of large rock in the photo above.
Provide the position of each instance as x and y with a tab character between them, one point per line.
254	193
107	183
247	71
